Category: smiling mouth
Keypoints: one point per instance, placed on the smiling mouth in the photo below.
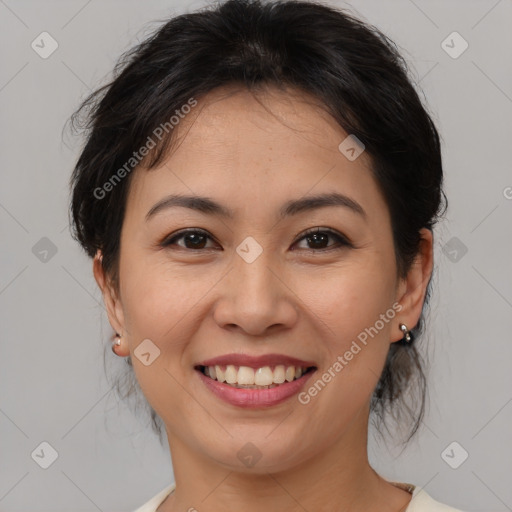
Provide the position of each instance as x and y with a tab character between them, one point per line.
245	377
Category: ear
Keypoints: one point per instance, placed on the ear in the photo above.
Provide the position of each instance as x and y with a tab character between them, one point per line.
110	298
412	290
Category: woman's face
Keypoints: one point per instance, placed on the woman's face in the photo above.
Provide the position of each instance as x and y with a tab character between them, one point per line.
253	284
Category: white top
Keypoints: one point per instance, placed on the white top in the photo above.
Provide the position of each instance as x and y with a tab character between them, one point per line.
420	502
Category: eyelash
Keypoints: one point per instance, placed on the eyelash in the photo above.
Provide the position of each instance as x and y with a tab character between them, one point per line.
341	240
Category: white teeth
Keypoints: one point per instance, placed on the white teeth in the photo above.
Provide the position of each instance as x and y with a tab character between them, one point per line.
231	374
290	373
244	376
279	374
263	376
220	374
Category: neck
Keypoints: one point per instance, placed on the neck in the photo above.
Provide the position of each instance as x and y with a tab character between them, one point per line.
338	478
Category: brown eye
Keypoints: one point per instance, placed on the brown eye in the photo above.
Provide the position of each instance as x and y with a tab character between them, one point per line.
193	239
318	239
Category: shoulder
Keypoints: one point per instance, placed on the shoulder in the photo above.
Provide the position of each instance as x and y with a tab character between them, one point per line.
422	502
157	500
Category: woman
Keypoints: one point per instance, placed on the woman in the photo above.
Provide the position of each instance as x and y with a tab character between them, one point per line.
258	192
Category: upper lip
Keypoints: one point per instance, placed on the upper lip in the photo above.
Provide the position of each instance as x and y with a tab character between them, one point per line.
256	361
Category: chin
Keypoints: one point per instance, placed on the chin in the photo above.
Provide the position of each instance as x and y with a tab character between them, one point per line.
256	454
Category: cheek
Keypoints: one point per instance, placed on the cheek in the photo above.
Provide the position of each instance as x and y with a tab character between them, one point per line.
349	300
152	296
354	338
158	305
160	301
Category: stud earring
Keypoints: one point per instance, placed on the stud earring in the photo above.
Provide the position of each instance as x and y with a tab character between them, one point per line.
116	343
407	334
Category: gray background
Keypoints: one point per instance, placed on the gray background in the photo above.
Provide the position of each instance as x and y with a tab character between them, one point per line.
53	325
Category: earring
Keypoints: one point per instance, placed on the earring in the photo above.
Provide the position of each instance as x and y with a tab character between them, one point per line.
116	343
407	333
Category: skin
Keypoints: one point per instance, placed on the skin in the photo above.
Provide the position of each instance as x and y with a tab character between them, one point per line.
294	299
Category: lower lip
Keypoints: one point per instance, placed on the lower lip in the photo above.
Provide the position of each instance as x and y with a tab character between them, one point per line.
255	397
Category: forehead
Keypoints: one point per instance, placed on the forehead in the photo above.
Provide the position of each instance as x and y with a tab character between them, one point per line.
268	118
237	145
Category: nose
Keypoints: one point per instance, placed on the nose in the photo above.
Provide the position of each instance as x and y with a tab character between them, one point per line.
255	298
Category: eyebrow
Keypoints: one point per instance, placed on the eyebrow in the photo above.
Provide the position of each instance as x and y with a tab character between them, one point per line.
208	206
